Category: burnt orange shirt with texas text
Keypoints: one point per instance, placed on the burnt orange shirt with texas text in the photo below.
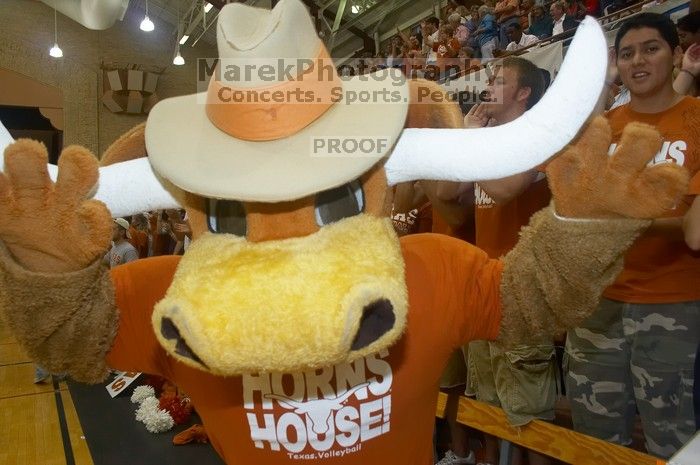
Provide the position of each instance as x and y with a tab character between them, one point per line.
659	267
498	225
378	409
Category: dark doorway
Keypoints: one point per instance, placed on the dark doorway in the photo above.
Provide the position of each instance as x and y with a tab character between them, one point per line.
27	122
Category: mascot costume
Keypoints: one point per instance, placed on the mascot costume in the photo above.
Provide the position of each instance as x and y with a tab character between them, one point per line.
297	322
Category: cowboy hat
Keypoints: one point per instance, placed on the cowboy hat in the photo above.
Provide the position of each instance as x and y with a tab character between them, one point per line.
276	122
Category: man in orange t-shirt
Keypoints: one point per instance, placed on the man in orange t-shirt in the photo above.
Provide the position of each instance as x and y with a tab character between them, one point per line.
515	88
505	378
636	352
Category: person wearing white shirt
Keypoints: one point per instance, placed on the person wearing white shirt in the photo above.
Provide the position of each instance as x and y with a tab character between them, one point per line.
558	16
519	40
429	30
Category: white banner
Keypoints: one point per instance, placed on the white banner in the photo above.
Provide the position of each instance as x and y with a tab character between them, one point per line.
549	57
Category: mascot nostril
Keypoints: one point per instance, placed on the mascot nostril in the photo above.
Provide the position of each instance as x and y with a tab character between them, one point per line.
377	319
170	332
168	329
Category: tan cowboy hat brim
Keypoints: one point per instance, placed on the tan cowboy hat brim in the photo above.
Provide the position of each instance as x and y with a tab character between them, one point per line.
188	150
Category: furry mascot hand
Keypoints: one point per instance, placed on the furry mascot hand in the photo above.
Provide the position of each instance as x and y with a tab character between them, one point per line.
553	278
50	234
38	220
587	183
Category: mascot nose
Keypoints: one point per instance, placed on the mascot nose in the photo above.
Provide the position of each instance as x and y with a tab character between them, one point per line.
170	332
377	319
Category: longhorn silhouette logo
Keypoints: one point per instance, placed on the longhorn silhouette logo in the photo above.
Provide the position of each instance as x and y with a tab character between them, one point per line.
318	410
271	111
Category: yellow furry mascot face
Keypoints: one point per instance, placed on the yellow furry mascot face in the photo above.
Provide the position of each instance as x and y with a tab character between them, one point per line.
266	287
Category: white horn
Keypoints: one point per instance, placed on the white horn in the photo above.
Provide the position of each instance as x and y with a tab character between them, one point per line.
517	146
132	187
5	140
126	188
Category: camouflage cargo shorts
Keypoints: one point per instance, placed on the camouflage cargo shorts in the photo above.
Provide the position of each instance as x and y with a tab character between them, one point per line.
629	357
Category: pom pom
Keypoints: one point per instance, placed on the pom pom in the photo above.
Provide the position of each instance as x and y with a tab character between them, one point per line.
142	393
178	408
159	421
148	405
155	419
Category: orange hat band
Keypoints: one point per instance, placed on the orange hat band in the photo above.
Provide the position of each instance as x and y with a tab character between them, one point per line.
277	111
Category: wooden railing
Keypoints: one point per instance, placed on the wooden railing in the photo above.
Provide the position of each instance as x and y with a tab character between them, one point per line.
552	440
623	13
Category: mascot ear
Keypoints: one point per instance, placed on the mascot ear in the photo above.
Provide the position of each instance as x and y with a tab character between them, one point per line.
129	146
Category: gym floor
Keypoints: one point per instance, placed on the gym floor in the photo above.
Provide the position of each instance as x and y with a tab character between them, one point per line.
66	423
38	422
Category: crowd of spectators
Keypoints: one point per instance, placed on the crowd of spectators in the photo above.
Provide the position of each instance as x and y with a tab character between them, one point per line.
149	234
469	36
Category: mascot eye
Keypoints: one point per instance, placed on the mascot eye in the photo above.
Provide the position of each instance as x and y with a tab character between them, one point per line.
226	217
342	202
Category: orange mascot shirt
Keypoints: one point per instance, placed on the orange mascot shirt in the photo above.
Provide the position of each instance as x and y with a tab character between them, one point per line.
378	407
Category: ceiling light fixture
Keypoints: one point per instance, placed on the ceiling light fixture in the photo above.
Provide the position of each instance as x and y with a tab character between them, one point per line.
178	60
147	25
55	51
